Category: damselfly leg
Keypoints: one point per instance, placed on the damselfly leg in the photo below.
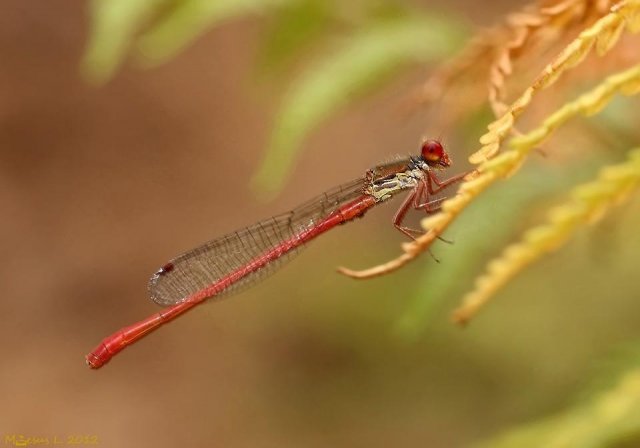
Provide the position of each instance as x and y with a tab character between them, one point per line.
420	199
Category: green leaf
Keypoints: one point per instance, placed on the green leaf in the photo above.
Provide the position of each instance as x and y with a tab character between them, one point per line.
190	19
363	62
114	24
293	29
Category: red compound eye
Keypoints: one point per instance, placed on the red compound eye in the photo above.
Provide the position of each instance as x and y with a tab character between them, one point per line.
432	151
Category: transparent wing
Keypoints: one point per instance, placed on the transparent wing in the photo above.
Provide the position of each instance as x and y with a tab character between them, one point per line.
207	264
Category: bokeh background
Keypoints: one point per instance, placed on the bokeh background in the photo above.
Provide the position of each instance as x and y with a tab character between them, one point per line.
101	184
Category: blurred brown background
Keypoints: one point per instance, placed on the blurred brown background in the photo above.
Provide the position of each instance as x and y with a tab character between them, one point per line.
100	185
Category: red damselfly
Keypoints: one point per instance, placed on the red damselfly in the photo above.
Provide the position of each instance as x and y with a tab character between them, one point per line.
223	265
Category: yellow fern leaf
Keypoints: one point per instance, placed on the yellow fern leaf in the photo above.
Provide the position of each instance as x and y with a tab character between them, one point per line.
588	203
590	103
532	22
603	34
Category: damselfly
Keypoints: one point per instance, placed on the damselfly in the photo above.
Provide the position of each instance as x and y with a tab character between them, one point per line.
242	258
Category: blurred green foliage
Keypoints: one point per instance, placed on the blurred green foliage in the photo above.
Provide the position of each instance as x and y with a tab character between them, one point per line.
156	29
189	19
364	60
610	418
292	30
365	42
114	25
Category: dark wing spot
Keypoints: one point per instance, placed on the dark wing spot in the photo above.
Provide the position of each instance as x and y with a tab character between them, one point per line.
166	269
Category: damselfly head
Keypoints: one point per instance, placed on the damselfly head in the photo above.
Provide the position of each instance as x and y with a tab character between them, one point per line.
434	154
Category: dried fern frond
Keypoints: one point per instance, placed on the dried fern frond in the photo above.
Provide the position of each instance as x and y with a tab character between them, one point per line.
603	35
590	103
588	203
543	22
491	53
